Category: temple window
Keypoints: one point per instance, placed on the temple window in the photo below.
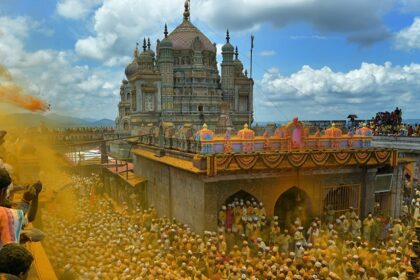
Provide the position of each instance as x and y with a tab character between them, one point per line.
149	102
243	103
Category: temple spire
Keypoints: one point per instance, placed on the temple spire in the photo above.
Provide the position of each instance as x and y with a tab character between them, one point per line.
144	44
227	36
166	31
236	53
148	44
187	10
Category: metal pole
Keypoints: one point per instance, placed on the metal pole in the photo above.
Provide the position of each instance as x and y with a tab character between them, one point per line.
252	47
251	95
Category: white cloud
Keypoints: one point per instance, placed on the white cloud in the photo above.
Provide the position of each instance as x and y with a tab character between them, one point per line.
96	47
323	93
267	53
118	24
76	9
409	38
55	76
360	20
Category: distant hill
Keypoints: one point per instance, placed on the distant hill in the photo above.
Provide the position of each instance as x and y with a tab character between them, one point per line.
103	123
52	120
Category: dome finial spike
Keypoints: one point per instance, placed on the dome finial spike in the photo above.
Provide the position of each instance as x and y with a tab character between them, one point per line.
144	44
148	44
136	50
236	53
227	36
166	31
187	10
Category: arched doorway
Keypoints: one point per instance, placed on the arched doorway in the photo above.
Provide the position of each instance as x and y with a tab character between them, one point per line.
241	195
292	204
126	126
239	211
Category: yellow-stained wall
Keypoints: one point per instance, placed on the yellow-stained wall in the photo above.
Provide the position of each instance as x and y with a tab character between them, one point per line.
269	190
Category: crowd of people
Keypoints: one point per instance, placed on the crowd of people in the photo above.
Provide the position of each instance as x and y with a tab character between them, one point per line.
106	241
99	239
15	260
390	123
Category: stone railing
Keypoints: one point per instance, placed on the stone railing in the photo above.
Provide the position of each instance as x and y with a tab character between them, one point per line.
398	142
259	143
291	137
235	144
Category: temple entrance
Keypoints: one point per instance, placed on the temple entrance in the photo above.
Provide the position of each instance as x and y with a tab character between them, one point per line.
241	196
292	204
241	213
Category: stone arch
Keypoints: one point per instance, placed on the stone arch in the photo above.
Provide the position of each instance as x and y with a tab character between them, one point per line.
229	208
291	204
240	195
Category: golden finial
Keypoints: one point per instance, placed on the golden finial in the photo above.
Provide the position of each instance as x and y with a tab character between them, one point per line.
246	126
333	125
205	126
187	10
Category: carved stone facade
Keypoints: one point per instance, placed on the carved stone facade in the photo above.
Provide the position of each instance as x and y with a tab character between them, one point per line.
180	83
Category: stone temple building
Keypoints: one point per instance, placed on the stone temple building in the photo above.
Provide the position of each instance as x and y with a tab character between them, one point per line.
179	82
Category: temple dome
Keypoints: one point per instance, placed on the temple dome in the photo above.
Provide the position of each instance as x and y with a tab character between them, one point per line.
166	43
131	68
185	34
146	57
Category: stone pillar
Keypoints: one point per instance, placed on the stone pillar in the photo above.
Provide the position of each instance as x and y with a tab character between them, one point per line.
104	154
396	189
211	207
368	191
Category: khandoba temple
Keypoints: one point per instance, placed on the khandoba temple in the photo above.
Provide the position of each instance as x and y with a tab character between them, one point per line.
187	187
199	155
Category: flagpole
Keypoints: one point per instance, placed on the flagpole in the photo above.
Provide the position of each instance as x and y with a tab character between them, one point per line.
251	83
252	47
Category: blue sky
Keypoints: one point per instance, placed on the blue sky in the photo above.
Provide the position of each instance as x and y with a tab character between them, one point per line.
316	59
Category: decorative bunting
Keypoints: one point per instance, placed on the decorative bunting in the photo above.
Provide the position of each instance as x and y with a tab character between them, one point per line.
320	159
297	160
342	157
362	157
224	162
272	161
246	162
382	156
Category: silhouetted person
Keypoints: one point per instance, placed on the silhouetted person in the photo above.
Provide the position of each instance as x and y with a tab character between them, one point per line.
15	262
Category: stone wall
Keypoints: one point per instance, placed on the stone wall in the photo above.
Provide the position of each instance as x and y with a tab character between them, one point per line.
196	199
269	190
173	192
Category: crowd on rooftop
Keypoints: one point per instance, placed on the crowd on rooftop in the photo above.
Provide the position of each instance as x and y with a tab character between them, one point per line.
390	123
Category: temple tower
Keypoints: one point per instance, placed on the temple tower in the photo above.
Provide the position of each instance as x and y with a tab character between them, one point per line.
166	68
228	73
